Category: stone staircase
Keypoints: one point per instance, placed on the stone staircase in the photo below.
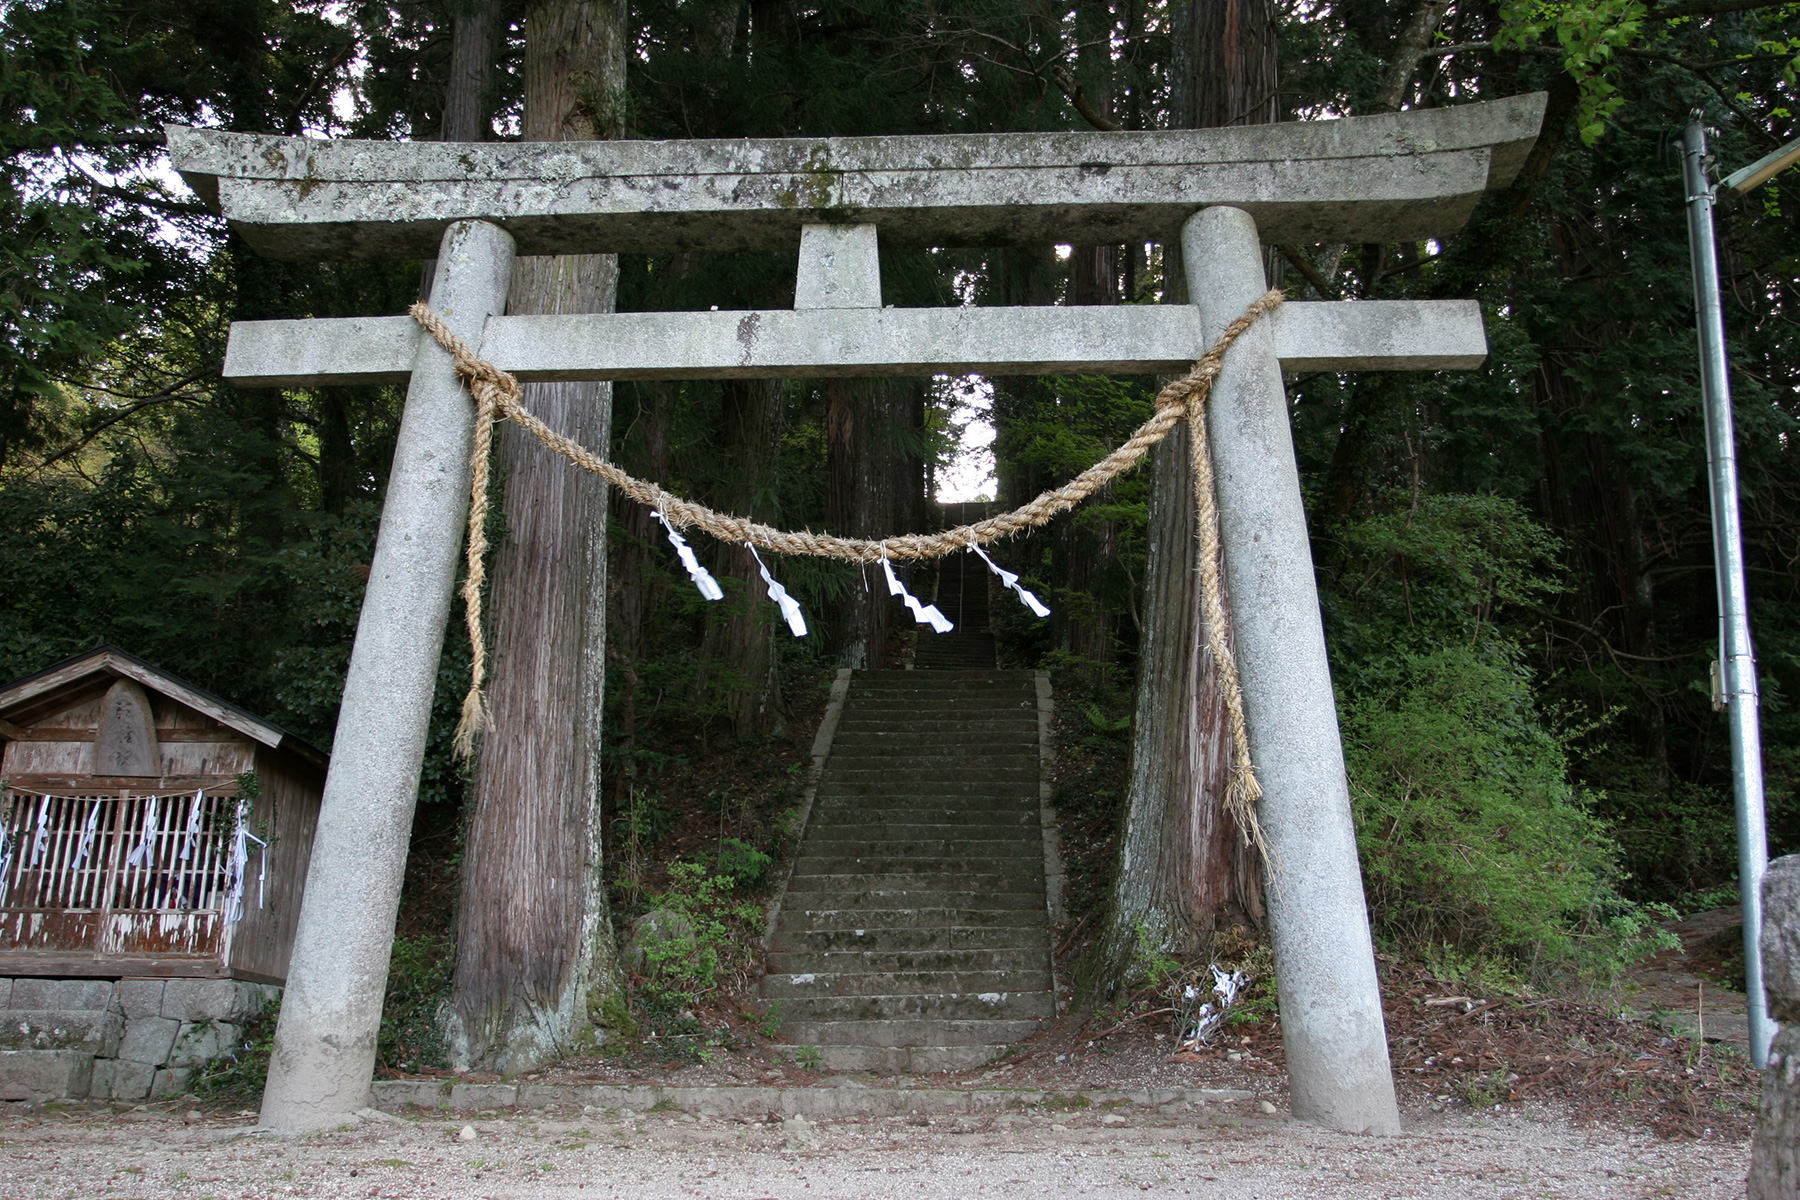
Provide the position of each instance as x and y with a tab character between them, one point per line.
961	594
913	933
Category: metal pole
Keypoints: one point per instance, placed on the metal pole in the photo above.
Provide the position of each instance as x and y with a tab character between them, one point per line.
1738	662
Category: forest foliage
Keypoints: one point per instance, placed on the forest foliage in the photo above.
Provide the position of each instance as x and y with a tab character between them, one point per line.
1514	562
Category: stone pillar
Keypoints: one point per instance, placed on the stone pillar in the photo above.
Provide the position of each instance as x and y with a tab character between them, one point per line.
1775	1155
324	1056
1331	1021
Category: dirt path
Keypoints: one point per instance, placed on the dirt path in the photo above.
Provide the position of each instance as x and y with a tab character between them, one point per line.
630	1154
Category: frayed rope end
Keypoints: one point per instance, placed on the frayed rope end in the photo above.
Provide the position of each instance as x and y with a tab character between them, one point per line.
475	719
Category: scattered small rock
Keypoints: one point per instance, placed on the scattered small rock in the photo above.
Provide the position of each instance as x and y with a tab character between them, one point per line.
1267	1109
800	1134
467	1134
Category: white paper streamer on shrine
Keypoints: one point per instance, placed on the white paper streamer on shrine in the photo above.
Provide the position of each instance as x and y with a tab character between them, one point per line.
790	607
88	833
709	587
6	853
41	838
924	614
241	837
196	810
1010	580
140	853
1197	1022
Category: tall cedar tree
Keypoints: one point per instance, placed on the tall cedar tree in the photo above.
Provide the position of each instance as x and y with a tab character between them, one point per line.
1184	868
534	938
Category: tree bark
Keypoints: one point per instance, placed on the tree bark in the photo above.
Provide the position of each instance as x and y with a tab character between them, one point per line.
876	490
534	948
1184	871
737	657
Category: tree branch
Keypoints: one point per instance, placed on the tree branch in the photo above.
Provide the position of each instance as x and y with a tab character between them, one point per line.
146	199
1709	8
1065	79
1407	52
124	414
1314	277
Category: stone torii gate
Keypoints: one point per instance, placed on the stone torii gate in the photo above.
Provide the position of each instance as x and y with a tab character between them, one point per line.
1219	193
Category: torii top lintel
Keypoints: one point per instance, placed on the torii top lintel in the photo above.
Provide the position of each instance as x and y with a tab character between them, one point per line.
1398	176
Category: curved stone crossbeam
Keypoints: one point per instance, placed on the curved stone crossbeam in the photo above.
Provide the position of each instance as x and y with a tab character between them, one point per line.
1398	176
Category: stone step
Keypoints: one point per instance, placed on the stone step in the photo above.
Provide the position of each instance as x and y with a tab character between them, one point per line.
868	959
941	1006
978	676
910	1032
817	918
903	787
1011	842
984	755
907	1060
812	984
932	726
1013	868
929	804
921	822
932	768
908	888
855	743
908	949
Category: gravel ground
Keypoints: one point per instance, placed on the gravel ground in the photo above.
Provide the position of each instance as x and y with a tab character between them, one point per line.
1516	1153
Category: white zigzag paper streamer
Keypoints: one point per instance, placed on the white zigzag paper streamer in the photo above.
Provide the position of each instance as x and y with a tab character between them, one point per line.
195	811
41	838
140	854
709	587
6	853
925	614
88	833
241	838
1010	580
790	607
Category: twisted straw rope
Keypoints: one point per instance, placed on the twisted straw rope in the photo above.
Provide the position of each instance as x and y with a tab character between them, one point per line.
498	396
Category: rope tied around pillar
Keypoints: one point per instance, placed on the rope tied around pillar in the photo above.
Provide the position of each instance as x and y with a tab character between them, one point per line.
498	396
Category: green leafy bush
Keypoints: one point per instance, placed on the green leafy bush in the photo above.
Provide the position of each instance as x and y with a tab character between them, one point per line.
707	939
419	977
1472	837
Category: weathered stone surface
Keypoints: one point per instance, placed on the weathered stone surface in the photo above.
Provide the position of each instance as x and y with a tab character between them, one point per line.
324	1054
149	1040
1389	177
1775	1155
125	743
67	994
171	1081
39	1075
119	1079
1374	335
1780	939
391	1094
476	1096
6	984
141	997
199	1042
840	267
1331	1019
211	1000
93	1031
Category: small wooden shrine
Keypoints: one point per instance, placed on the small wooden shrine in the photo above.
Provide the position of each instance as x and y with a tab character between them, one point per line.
148	828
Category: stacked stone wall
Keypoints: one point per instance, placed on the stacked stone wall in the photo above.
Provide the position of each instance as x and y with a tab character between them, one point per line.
128	1039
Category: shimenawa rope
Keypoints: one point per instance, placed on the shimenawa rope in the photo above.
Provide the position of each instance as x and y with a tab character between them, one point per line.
497	396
